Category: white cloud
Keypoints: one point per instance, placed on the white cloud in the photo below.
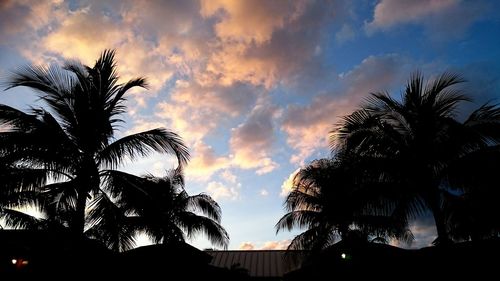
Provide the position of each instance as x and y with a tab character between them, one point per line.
264	192
229	177
219	191
287	185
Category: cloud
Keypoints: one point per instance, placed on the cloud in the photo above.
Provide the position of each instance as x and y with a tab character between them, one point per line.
247	246
19	20
388	13
205	163
276	245
219	191
287	185
237	23
424	231
230	100
262	55
263	192
442	18
80	36
252	141
268	245
209	61
345	34
308	126
228	176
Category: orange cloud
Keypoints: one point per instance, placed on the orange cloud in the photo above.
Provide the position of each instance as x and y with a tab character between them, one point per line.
81	36
237	23
205	163
247	246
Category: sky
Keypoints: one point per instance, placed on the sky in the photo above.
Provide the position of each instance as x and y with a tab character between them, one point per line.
254	87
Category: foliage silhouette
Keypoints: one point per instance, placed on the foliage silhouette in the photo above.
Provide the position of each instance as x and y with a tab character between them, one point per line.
59	157
417	146
159	207
331	203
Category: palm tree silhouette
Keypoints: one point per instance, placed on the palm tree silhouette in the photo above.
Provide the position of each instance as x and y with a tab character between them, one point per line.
64	150
414	142
474	213
159	207
331	203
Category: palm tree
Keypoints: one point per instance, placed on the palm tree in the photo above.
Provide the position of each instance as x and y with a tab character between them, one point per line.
474	213
329	200
159	207
416	140
64	150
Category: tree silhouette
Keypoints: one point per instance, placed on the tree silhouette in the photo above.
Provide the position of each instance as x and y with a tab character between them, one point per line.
159	207
328	199
415	142
64	151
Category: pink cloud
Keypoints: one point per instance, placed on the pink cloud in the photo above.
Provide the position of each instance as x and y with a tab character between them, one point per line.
247	246
308	126
268	245
392	12
236	23
442	18
276	245
205	163
252	141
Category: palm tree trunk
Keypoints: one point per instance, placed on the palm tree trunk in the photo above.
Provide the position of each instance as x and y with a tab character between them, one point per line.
79	219
434	200
88	180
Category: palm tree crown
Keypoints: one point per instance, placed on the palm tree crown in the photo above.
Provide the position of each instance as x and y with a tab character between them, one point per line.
159	207
64	151
416	141
328	200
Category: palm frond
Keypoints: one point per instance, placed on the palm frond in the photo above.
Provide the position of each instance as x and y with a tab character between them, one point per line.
19	220
315	238
142	144
300	219
204	204
194	224
109	224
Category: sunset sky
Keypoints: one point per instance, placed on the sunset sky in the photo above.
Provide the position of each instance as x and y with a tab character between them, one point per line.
254	87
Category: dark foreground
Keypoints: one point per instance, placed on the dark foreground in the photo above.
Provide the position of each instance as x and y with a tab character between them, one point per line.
478	260
40	255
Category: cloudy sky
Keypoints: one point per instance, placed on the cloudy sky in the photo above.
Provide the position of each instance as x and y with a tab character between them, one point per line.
255	86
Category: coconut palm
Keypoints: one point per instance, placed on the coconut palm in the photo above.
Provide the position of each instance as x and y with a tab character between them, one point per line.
474	213
329	200
416	140
159	207
64	149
